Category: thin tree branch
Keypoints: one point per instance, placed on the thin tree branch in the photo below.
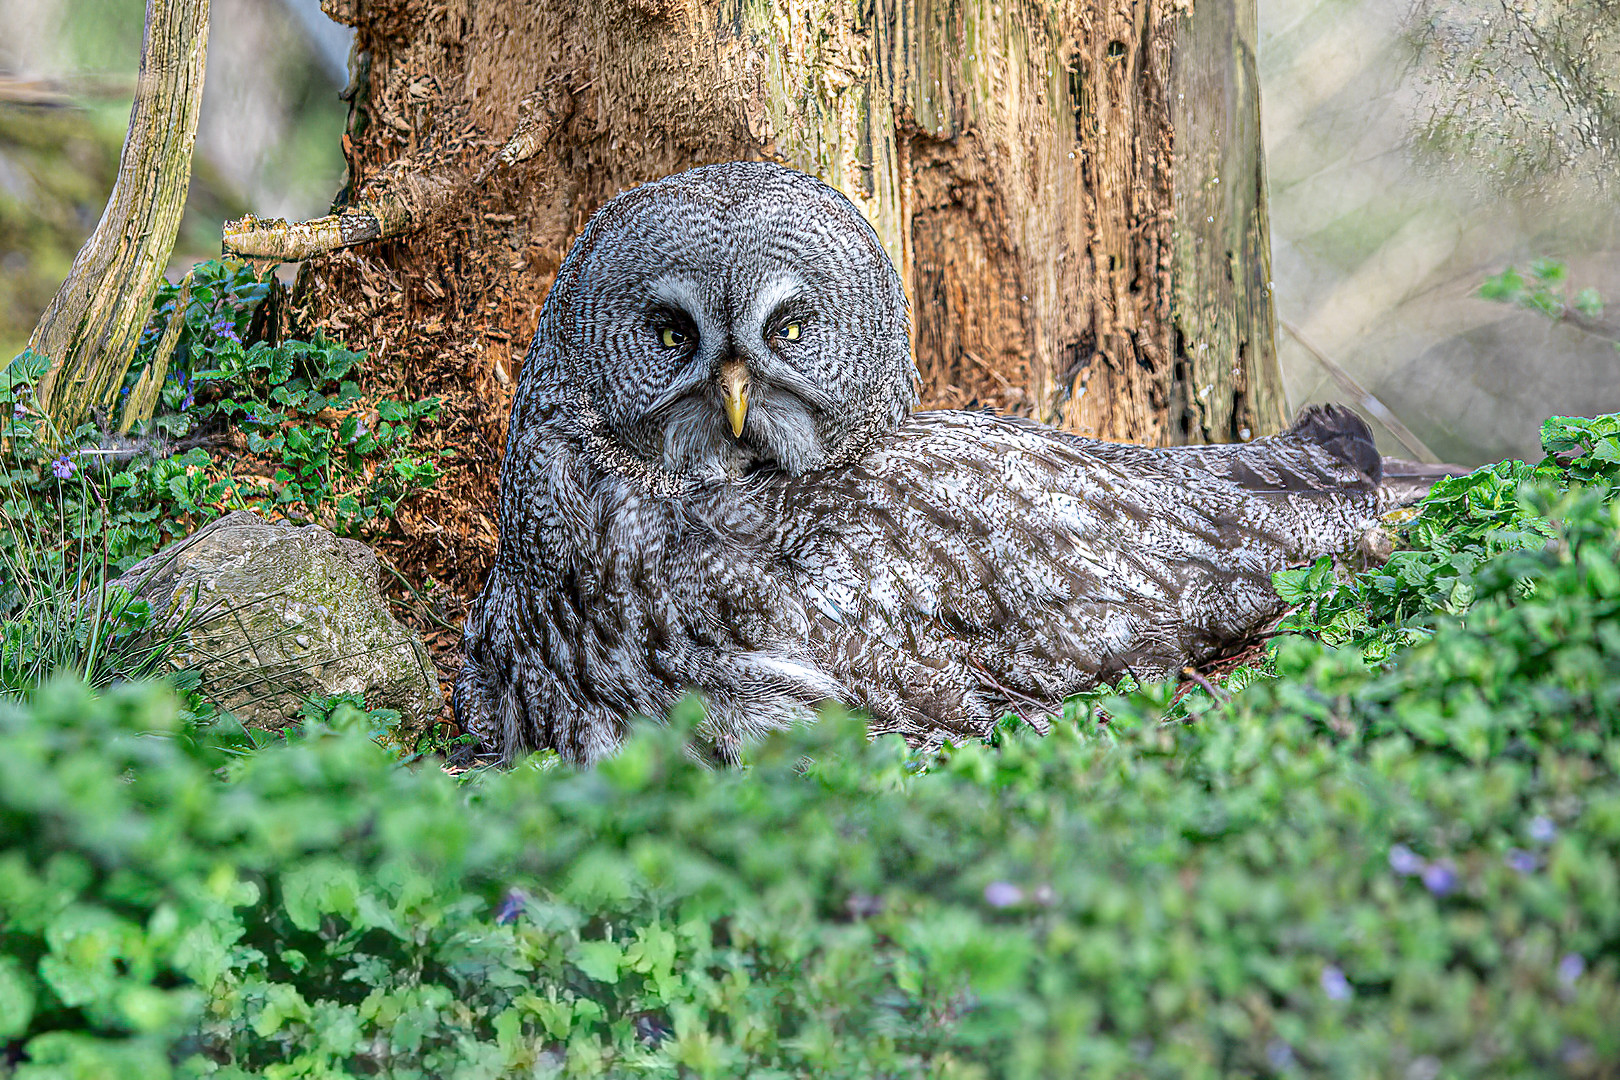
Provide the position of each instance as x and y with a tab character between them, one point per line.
405	198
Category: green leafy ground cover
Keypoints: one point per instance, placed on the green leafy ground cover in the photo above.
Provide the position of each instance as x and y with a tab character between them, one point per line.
1392	853
288	428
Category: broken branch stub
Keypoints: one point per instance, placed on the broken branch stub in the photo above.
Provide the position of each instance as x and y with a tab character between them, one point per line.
280	240
90	330
401	201
541	113
406	197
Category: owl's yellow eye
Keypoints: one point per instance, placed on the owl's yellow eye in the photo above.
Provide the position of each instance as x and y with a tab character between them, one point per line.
790	332
671	337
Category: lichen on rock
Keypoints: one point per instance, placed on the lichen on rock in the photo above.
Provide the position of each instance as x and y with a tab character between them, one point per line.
275	615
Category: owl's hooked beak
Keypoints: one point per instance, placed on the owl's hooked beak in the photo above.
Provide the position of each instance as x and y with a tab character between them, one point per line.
734	389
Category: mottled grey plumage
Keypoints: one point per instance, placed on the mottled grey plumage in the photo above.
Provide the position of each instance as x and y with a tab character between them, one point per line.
934	569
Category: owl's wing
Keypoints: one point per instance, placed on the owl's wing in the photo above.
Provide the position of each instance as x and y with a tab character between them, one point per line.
1009	559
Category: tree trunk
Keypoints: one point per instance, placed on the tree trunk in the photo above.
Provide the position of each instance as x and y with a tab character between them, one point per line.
90	330
1224	328
1069	252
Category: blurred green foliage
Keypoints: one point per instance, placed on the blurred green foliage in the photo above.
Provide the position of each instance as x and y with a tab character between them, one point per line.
99	36
1546	292
1392	868
60	167
283	153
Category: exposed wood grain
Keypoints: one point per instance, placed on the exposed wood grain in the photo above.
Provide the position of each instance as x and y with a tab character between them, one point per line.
1228	381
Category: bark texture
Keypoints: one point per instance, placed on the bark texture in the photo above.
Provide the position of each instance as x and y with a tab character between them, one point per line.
1020	161
1228	381
92	325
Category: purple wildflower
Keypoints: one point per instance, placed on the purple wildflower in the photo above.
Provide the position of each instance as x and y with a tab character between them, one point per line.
1280	1055
512	905
1542	830
651	1029
1001	894
1440	878
187	382
1571	968
224	328
1574	1052
1404	861
1525	862
864	905
64	467
1335	985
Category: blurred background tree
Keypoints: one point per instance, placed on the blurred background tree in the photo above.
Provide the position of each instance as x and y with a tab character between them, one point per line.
1415	150
1527	91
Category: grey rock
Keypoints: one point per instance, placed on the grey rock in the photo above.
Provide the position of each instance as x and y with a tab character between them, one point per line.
276	614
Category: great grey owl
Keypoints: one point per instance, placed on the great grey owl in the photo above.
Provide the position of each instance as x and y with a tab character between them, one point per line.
714	481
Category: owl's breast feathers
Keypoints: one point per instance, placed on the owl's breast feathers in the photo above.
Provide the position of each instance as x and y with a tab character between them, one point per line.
614	593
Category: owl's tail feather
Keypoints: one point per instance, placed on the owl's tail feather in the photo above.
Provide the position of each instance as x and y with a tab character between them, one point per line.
1347	437
1406	482
1329	450
1343	434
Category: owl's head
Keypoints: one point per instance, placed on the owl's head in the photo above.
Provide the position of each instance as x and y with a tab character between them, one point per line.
732	319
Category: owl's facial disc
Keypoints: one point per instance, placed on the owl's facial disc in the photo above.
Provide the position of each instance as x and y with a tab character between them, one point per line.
737	400
738	319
